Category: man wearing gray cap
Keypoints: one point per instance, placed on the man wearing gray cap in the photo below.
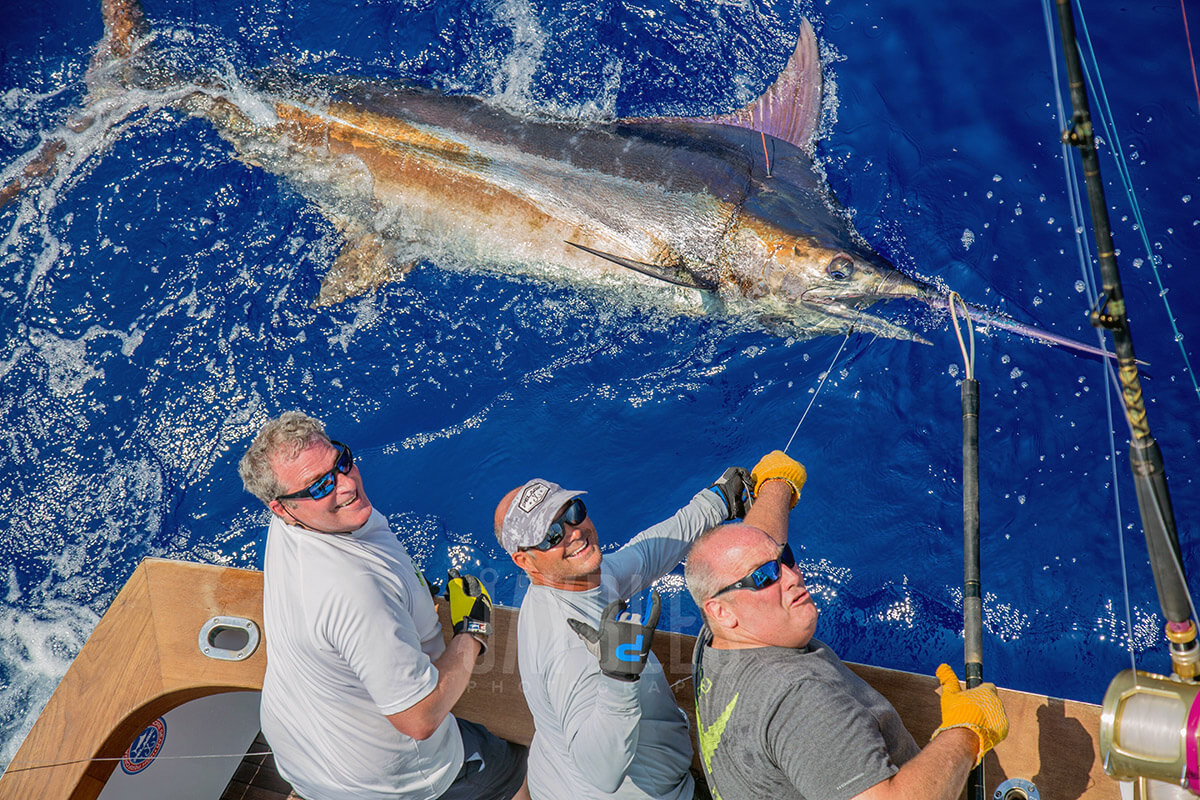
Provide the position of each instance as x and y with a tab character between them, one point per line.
606	722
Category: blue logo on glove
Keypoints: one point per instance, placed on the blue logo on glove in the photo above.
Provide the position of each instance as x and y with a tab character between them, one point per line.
631	652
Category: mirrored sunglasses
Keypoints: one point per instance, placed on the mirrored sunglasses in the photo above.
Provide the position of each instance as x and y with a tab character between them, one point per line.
764	575
323	485
574	514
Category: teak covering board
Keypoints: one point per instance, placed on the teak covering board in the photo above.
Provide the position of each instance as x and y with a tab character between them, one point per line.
143	660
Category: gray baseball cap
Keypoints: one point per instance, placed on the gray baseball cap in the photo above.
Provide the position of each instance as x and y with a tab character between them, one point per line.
533	509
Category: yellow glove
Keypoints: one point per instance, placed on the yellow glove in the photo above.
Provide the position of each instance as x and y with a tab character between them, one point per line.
778	465
978	709
470	607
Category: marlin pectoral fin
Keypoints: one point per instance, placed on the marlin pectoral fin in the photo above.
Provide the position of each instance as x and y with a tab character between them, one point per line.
366	261
679	276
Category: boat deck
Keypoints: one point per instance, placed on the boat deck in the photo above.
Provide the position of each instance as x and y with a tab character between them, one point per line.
256	777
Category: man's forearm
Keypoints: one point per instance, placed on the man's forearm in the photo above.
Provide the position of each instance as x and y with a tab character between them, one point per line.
770	510
454	668
939	771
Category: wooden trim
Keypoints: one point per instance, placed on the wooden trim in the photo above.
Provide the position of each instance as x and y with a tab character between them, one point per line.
143	660
1053	743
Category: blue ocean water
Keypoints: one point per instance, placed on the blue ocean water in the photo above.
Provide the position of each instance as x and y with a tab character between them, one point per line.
156	307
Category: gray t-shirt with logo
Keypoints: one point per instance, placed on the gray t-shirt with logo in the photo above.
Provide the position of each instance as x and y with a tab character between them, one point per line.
792	724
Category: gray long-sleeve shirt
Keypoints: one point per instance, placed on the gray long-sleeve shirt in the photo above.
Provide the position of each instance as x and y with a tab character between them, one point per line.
597	737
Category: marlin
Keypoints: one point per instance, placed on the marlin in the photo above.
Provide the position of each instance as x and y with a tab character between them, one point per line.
722	214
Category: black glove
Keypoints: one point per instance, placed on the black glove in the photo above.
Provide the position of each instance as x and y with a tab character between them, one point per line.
734	488
470	606
434	589
622	644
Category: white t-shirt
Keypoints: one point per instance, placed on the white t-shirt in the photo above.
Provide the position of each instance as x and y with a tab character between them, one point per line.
351	632
595	736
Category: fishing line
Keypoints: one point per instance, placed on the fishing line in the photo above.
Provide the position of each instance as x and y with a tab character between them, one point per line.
1083	252
50	764
813	399
1110	381
1109	125
1109	129
825	376
1192	57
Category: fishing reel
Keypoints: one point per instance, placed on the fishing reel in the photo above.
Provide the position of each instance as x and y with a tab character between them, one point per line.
1150	734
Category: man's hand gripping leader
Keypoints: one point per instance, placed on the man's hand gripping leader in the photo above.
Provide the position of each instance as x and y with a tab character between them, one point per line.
780	715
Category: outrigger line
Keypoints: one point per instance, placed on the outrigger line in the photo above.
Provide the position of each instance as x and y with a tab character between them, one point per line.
1148	728
1109	130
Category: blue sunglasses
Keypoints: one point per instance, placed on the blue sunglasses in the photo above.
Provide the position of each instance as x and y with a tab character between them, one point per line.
574	514
764	575
323	485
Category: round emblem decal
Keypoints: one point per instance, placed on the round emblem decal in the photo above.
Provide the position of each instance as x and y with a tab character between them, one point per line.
145	748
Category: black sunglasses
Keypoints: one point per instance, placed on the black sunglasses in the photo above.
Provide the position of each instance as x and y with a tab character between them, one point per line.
323	485
574	514
765	574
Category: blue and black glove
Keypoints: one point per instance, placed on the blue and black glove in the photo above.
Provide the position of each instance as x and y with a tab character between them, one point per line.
470	607
734	488
622	644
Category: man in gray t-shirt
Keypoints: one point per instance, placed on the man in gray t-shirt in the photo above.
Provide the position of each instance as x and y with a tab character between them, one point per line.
781	716
603	728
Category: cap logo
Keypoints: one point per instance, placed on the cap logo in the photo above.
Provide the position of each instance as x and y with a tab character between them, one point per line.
532	496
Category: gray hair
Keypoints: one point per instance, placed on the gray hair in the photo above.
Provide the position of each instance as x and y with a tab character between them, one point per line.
285	438
702	583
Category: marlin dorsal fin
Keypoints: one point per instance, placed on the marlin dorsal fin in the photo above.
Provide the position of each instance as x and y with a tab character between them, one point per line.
791	108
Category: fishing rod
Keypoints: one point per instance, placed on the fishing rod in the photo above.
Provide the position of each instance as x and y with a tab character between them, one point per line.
1149	723
972	583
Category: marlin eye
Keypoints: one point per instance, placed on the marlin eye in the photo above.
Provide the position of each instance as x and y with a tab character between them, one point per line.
840	267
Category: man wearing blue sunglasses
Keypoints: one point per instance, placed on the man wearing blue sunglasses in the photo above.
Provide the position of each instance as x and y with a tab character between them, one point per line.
781	716
359	683
606	724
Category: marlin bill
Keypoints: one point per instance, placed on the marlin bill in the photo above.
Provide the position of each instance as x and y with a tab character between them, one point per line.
724	214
